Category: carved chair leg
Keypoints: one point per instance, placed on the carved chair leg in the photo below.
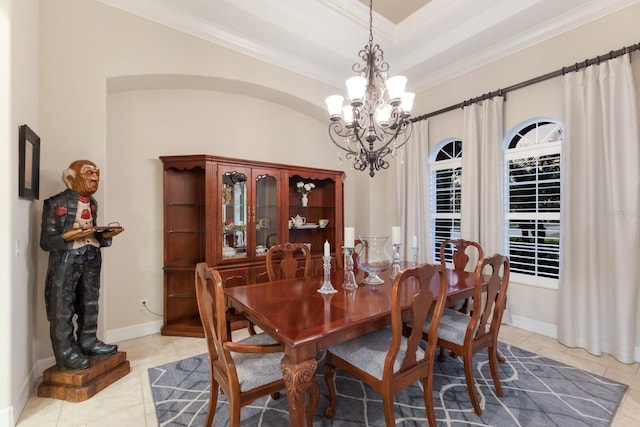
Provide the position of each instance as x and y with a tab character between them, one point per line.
428	399
329	377
389	413
213	401
493	357
468	373
234	414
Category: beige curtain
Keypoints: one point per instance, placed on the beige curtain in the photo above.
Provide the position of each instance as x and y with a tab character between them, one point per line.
412	194
600	274
481	210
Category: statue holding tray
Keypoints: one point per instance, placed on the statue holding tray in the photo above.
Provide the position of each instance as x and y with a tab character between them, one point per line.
73	239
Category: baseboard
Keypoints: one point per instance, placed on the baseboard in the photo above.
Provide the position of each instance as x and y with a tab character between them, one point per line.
7	414
546	329
131	332
6	417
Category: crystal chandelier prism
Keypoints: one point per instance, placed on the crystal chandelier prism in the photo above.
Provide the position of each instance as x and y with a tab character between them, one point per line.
376	121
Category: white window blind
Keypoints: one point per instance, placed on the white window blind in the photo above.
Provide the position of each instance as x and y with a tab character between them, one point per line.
446	178
532	186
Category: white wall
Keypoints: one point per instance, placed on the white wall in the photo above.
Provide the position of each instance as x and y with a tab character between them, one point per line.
18	105
532	308
6	152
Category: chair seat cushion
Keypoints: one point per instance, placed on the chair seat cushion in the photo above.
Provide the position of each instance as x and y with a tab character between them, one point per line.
257	369
368	352
453	326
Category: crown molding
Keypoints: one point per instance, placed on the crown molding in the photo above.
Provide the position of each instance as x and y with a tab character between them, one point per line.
320	39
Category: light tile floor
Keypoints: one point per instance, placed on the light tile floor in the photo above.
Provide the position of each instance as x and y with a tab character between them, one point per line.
128	401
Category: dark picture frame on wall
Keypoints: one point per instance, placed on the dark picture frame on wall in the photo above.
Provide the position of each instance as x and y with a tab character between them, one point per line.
29	167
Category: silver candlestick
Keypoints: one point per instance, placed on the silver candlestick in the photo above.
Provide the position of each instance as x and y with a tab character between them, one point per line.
396	261
415	256
349	278
327	287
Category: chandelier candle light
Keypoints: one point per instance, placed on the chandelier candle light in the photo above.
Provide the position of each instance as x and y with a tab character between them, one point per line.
376	121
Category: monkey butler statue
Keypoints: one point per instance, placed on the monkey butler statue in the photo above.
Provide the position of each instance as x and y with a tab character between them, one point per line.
70	234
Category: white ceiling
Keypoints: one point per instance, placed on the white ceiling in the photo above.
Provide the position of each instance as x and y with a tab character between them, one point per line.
432	41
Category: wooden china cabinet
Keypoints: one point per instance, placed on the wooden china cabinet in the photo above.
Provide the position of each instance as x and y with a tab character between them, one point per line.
228	212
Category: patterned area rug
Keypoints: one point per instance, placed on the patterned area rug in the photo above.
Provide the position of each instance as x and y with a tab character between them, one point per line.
537	392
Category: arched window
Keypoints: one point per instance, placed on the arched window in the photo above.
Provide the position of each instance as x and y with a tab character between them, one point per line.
445	167
532	156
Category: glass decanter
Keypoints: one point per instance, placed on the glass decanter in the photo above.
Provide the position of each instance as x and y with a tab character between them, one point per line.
374	258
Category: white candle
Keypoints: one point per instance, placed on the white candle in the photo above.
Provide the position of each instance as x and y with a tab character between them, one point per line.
349	237
415	241
396	239
327	248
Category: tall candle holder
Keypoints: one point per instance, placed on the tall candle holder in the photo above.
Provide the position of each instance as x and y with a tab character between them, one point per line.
349	278
396	261
415	256
327	287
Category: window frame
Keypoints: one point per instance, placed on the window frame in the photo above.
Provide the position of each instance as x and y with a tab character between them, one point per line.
538	149
451	163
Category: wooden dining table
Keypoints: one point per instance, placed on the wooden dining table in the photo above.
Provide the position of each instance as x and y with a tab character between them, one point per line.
306	322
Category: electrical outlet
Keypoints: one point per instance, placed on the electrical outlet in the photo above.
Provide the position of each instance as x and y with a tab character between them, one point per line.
143	304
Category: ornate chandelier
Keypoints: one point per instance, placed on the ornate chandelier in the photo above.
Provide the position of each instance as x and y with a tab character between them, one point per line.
376	121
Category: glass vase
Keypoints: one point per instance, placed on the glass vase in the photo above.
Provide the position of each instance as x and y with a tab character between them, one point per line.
374	258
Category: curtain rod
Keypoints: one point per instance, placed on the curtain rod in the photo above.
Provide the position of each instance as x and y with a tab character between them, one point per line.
562	71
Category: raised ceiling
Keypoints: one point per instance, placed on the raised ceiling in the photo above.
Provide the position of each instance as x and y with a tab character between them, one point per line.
394	10
428	41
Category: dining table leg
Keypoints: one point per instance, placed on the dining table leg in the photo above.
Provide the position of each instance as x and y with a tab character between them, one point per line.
300	380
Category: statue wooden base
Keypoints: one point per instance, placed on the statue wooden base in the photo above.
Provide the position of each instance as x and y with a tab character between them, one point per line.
77	386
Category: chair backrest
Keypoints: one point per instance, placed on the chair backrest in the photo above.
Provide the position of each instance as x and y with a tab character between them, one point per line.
492	273
423	303
357	247
286	254
461	254
212	308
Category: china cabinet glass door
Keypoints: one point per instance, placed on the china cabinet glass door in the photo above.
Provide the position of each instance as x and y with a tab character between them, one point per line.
266	212
234	214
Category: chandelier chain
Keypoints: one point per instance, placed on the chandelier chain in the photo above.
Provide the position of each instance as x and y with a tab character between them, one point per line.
370	24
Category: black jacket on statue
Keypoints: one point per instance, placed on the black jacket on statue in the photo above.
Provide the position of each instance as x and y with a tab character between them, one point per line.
58	216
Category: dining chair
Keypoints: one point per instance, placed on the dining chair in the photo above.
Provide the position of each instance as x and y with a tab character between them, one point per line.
286	256
385	359
357	247
462	251
245	370
233	316
466	335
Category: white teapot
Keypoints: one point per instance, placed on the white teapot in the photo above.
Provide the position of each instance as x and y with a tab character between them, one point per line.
298	220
